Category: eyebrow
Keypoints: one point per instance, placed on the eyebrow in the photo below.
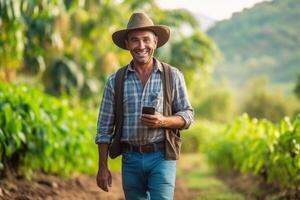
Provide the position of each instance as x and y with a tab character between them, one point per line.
144	37
127	35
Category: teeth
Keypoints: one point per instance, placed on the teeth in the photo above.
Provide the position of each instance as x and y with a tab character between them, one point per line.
141	53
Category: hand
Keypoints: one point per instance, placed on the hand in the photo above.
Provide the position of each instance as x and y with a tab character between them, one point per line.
154	121
104	179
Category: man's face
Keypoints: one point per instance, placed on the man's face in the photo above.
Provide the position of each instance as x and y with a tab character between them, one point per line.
141	44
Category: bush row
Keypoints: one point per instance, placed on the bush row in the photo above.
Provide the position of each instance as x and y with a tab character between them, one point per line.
259	147
40	132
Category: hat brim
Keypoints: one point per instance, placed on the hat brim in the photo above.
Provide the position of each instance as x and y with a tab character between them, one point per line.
161	31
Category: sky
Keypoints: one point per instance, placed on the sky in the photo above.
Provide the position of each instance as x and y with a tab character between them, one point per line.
215	9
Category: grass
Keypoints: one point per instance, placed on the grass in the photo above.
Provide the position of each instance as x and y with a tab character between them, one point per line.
200	177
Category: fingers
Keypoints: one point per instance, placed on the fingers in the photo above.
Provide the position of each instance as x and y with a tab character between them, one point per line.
152	121
147	121
104	180
102	184
150	117
150	125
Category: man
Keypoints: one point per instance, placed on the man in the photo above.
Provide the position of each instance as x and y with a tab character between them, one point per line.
146	173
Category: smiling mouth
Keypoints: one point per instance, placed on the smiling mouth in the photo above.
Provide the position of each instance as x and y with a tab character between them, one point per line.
142	53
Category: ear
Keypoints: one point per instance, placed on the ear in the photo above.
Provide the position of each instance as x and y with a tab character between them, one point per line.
126	43
155	40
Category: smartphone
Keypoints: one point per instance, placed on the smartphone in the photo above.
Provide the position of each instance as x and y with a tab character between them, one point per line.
148	110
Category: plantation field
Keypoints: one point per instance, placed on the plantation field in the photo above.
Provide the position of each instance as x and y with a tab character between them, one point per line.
242	78
41	135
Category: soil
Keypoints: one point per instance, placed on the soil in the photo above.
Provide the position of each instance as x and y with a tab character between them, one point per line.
83	187
256	188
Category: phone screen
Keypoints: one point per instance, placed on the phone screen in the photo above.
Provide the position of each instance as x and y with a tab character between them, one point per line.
148	110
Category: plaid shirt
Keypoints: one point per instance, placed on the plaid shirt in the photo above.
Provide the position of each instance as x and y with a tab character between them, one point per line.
135	97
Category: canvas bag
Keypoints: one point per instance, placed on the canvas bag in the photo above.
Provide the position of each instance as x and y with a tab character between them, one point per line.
172	136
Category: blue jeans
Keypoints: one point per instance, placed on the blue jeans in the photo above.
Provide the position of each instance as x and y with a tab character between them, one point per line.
148	176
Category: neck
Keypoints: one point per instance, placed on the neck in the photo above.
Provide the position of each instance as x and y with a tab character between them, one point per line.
142	68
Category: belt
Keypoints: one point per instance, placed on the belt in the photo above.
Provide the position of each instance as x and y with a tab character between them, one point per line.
147	148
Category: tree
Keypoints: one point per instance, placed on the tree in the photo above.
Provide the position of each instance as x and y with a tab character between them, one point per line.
11	38
34	34
191	50
262	102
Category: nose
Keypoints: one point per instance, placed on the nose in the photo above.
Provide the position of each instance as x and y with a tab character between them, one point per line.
141	44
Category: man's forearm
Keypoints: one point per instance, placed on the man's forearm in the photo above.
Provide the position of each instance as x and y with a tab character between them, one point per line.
103	154
173	122
104	178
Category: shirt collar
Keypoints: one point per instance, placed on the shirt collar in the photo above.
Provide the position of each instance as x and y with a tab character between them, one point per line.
157	66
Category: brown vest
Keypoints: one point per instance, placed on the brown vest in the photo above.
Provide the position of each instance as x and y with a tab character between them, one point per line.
172	136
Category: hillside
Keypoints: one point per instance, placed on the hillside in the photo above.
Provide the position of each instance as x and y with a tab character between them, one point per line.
261	41
205	21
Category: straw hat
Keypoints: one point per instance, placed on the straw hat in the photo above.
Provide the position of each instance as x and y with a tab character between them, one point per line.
140	21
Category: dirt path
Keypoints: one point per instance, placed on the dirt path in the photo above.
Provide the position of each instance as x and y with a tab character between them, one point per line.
47	187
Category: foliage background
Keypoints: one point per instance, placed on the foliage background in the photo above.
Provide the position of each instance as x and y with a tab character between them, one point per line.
56	55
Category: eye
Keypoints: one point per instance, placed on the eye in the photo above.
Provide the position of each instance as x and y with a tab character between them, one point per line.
134	39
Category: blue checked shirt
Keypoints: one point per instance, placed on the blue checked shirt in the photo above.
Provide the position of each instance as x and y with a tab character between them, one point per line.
135	97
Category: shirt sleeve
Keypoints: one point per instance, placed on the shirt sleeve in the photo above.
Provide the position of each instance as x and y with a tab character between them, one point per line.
105	122
181	104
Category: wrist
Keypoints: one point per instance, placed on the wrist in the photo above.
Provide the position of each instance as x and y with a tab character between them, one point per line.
163	123
103	165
